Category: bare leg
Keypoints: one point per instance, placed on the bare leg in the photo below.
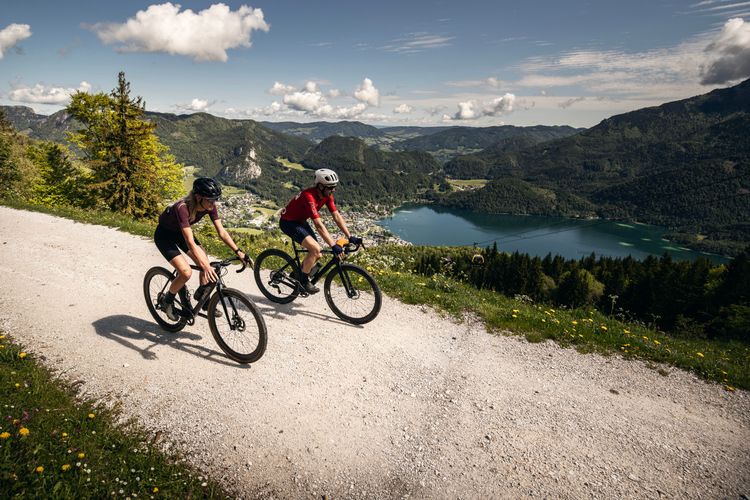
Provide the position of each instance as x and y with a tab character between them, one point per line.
313	253
184	271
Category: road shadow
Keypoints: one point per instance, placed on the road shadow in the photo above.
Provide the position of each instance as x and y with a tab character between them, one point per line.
274	310
125	329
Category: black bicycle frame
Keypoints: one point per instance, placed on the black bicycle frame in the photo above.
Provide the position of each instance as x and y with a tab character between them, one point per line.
191	313
321	271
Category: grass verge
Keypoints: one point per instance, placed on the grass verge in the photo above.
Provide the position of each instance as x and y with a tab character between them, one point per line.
53	445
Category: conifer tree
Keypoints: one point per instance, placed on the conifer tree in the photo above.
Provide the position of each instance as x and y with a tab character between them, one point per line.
133	172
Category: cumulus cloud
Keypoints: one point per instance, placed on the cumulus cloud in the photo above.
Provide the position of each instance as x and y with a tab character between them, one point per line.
729	54
195	105
402	109
472	109
42	94
204	36
11	35
281	89
305	100
367	93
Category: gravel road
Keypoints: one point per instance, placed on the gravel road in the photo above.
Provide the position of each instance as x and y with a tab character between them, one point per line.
410	405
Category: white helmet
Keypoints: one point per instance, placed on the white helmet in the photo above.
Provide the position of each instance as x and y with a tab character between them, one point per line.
326	177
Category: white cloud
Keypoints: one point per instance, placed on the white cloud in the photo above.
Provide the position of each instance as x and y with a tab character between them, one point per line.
42	94
281	89
311	86
402	109
204	36
417	42
490	82
729	54
198	105
367	93
472	109
11	35
334	93
305	101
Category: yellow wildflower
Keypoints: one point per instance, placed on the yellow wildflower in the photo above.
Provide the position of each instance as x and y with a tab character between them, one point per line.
21	355
65	467
23	431
39	469
514	315
603	328
81	455
5	435
574	322
625	331
700	354
155	490
729	388
544	320
657	342
516	310
18	385
91	415
64	434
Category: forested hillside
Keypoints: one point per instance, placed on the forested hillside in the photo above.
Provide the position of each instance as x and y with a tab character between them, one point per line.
685	165
370	175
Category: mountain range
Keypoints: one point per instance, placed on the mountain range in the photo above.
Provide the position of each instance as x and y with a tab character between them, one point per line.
684	164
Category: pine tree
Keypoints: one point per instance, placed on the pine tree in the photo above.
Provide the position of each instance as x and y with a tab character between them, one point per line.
133	173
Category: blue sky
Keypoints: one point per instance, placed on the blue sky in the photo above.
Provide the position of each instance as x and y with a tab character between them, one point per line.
407	62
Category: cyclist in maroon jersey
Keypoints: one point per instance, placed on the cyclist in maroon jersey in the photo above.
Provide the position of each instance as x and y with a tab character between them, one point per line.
174	234
305	206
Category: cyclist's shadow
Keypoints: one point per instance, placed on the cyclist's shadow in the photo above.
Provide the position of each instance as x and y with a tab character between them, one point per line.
125	329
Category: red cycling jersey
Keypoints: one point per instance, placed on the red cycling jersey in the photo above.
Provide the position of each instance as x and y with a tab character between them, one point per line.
306	205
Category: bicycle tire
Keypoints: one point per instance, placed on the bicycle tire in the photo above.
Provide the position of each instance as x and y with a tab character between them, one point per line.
155	280
367	290
281	288
229	339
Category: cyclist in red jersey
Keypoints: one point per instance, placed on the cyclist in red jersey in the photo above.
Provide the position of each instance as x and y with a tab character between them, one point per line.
305	206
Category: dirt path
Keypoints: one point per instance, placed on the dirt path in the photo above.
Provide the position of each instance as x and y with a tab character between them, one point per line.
411	404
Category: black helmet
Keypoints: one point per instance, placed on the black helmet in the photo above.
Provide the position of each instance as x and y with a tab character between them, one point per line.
207	187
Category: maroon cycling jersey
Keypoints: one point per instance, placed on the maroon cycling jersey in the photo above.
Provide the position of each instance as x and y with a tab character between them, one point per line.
306	205
177	217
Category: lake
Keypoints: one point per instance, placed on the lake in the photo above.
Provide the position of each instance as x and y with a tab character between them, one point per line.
535	235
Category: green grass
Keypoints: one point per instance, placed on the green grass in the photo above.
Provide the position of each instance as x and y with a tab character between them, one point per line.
464	183
289	164
53	445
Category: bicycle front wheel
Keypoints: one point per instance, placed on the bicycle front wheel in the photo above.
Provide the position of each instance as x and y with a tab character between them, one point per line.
155	284
241	331
352	294
276	274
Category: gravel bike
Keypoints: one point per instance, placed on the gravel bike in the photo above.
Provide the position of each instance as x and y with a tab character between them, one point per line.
238	328
351	293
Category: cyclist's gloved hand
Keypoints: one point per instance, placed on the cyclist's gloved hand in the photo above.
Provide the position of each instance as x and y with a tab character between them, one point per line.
337	249
355	240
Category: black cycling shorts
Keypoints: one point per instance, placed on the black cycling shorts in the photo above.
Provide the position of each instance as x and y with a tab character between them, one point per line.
170	243
298	231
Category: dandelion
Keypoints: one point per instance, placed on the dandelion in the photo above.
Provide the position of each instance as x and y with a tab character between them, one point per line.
5	435
657	342
544	320
23	431
574	322
604	328
514	315
64	434
39	469
65	467
81	455
645	338
21	355
155	490
91	415
626	331
700	354
18	385
516	310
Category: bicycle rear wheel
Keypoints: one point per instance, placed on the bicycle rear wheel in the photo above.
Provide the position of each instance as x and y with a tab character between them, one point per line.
276	274
241	331
155	284
355	297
